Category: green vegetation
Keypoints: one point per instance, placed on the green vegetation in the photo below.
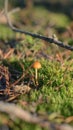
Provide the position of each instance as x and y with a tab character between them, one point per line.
55	88
6	32
53	96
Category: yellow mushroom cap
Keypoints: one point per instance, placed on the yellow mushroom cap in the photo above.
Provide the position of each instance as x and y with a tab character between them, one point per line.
36	65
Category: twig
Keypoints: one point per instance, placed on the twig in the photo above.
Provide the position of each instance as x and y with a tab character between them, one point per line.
26	116
8	53
14	10
48	39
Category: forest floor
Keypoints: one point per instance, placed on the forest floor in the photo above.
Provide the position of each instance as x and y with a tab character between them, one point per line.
47	100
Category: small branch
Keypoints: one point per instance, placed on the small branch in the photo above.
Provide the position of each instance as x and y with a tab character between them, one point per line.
26	116
48	39
14	10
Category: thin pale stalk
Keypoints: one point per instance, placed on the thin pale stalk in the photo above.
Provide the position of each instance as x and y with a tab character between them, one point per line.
36	76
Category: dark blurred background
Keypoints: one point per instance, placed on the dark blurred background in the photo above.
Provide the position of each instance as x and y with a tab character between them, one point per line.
65	6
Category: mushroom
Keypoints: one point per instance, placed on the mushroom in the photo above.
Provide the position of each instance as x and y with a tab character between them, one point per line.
36	65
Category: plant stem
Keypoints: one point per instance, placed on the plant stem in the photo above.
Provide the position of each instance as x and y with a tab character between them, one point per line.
36	77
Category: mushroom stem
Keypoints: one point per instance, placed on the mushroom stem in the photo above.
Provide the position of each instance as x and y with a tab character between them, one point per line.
36	76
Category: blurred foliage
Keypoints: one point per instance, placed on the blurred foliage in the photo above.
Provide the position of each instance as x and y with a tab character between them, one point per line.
55	5
1	3
4	31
